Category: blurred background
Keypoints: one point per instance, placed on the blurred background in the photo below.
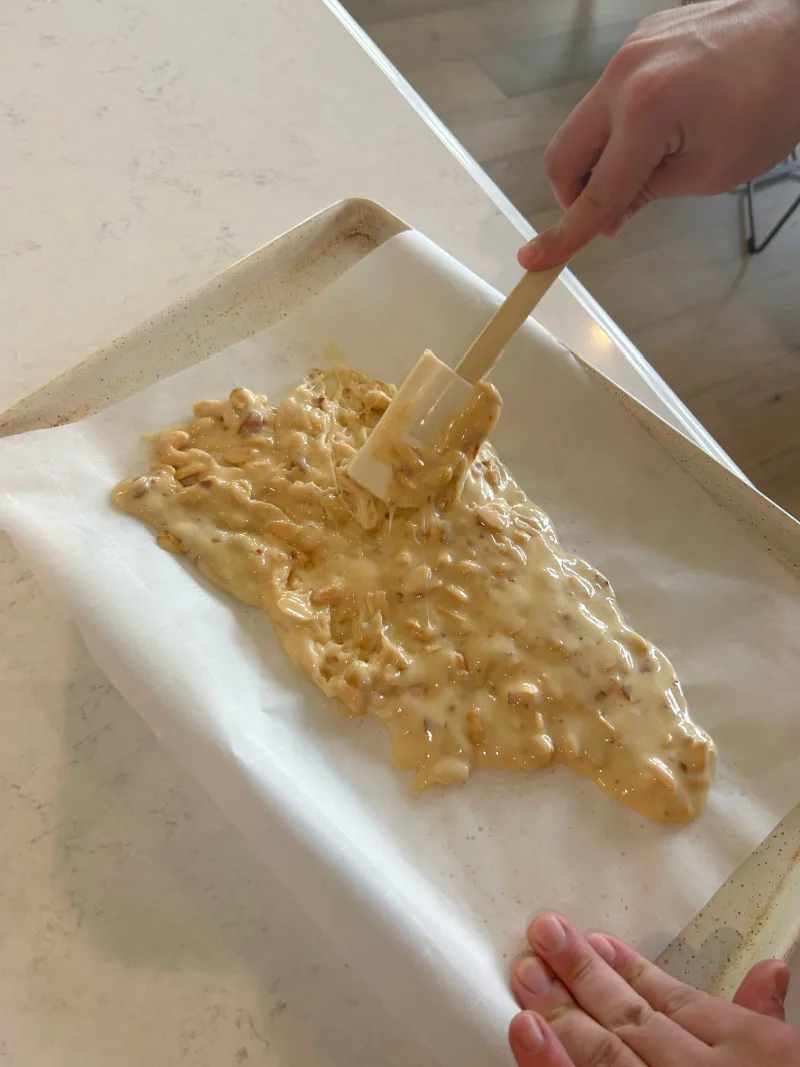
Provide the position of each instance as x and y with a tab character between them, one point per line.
720	326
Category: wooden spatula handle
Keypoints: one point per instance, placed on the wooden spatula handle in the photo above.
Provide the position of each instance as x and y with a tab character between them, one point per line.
487	348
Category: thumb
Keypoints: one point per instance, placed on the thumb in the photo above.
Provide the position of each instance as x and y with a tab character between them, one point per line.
624	168
764	989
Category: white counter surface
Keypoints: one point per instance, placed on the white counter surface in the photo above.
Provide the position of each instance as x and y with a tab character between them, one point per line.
146	145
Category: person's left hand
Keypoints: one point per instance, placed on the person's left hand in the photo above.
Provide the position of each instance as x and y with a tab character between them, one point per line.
594	1002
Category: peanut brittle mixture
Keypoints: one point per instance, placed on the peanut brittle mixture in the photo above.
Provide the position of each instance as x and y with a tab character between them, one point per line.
461	622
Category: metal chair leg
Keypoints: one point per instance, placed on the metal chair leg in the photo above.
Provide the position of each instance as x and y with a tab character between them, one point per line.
787	169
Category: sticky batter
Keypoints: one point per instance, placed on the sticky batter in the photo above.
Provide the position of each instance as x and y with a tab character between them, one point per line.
460	622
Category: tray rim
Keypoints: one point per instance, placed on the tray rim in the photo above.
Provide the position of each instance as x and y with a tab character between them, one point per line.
761	937
358	218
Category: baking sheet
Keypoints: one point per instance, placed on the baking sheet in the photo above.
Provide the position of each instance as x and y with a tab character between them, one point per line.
429	897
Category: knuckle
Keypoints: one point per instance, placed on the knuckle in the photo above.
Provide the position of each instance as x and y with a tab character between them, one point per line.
608	1052
596	196
645	93
630	55
631	1016
580	968
621	63
677	1000
633	973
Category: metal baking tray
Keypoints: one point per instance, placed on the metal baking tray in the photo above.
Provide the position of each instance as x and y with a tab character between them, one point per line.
757	912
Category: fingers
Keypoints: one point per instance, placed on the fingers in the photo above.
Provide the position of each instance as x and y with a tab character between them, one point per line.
624	168
534	1044
764	989
609	1003
584	1039
700	1014
576	147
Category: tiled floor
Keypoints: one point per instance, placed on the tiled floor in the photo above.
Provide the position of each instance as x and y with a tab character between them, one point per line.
722	328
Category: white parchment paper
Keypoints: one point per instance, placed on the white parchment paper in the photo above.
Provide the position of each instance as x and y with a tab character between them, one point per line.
429	897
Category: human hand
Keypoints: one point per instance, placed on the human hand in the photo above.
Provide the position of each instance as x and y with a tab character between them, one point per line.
697	100
594	1002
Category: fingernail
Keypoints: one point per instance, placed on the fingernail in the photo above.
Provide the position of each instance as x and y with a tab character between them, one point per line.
603	947
549	933
533	976
529	1032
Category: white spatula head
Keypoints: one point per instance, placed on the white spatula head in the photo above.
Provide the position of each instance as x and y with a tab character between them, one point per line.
428	400
433	396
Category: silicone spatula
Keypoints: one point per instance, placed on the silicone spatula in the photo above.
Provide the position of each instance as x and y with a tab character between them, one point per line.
433	394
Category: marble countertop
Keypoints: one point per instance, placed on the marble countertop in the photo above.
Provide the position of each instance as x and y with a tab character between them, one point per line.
145	146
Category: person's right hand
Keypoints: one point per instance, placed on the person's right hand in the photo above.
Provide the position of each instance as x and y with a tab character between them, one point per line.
697	100
594	1002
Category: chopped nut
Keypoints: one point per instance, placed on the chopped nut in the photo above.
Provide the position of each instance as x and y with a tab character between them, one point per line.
240	490
409	458
237	457
490	517
526	695
253	422
140	486
695	754
360	674
421	631
377	600
493	476
551	688
416	580
459	621
569	747
376	400
333	593
171	543
308	536
394	654
475	728
242	400
209	409
541	748
451	771
662	774
469	568
352	698
294	607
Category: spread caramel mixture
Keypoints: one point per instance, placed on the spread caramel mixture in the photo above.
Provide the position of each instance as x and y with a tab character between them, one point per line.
459	621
